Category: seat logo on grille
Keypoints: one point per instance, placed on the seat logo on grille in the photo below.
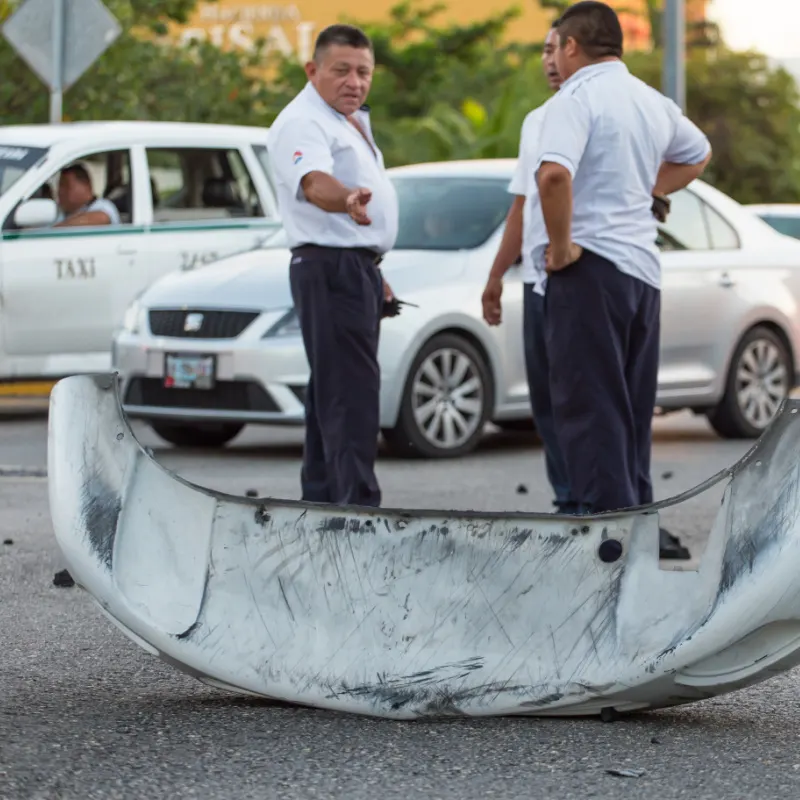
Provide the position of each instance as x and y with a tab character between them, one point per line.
192	323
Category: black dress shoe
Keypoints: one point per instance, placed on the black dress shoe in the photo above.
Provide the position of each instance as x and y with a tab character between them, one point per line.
670	546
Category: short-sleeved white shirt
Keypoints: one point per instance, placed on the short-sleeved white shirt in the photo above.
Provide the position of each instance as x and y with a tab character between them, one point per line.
612	132
98	204
523	183
309	135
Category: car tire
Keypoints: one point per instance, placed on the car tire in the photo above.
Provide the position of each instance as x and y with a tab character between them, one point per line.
761	354
449	380
210	435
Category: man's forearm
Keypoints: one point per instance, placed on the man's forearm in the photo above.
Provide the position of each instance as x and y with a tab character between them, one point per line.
511	243
555	191
674	177
325	191
85	218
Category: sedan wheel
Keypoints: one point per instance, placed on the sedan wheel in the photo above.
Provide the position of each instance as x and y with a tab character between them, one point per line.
759	380
445	402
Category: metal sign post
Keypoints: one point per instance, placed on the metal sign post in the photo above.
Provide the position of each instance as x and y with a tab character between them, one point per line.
56	90
674	65
60	40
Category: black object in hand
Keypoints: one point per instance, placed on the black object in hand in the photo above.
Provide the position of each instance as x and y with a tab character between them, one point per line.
391	308
661	207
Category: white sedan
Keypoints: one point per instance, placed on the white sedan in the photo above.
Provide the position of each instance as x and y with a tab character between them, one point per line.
203	354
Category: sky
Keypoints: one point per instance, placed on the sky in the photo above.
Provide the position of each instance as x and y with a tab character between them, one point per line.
770	26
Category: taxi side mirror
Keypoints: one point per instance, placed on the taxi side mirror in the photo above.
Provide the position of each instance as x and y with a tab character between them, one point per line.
36	213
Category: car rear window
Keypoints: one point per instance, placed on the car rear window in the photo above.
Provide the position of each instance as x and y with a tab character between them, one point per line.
449	213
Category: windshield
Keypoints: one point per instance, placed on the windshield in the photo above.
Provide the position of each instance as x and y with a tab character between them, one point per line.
787	225
449	213
442	213
15	161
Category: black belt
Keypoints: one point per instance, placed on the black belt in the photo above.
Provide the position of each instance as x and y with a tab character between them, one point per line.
373	255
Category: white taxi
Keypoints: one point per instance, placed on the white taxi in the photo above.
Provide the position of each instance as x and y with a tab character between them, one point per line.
187	194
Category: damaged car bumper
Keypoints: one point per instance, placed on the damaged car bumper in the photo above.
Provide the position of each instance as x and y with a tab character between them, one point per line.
407	614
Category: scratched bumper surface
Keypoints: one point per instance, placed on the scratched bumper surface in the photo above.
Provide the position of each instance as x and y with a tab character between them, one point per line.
409	613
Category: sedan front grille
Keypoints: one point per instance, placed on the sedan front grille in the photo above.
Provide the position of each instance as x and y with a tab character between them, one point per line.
225	396
199	324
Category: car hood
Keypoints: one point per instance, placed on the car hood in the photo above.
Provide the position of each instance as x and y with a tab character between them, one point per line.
259	279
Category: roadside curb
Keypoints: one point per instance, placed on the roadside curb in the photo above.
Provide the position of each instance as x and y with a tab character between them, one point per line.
10	471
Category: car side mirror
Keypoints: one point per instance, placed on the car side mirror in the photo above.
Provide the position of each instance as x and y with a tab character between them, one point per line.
36	213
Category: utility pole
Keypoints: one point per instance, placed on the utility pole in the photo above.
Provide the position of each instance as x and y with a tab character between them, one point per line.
674	66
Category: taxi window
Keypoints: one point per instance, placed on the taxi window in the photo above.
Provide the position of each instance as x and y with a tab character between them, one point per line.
449	213
109	173
194	184
15	161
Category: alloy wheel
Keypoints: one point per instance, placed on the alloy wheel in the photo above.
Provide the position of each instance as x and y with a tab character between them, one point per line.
762	382
447	398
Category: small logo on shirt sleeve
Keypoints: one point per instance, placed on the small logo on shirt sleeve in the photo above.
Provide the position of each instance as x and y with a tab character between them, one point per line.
298	156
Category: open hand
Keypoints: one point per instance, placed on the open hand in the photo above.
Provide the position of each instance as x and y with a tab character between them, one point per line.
556	260
356	205
492	307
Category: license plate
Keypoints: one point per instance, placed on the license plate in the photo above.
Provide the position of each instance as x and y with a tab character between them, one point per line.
189	372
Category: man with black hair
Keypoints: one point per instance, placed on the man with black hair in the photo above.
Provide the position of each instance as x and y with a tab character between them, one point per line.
609	144
524	217
78	203
340	213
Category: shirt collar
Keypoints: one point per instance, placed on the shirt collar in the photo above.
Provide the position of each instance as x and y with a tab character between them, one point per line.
591	70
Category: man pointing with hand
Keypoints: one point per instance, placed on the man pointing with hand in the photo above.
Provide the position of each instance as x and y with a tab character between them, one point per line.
340	213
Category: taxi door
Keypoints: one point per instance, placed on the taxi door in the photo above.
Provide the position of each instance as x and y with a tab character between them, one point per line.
208	202
58	282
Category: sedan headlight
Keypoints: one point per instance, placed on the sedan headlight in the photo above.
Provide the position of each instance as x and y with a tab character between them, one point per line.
134	317
287	325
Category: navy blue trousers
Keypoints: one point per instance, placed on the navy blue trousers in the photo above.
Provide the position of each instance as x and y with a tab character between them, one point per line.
602	332
338	296
537	366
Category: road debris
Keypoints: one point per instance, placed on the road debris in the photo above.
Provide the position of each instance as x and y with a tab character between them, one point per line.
63	579
626	773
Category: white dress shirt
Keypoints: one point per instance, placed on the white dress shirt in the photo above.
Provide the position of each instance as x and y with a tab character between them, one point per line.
612	132
523	183
309	135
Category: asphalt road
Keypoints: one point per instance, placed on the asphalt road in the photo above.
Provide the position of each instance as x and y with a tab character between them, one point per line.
86	714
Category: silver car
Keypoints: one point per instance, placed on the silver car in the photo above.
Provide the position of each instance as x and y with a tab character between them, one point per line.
204	353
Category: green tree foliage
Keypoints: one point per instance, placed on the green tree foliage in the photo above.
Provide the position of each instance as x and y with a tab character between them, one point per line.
440	91
141	76
750	112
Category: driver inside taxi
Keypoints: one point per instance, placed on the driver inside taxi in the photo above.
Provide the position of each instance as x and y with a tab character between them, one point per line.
77	202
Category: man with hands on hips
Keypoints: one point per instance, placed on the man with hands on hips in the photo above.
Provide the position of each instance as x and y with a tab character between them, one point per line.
609	145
